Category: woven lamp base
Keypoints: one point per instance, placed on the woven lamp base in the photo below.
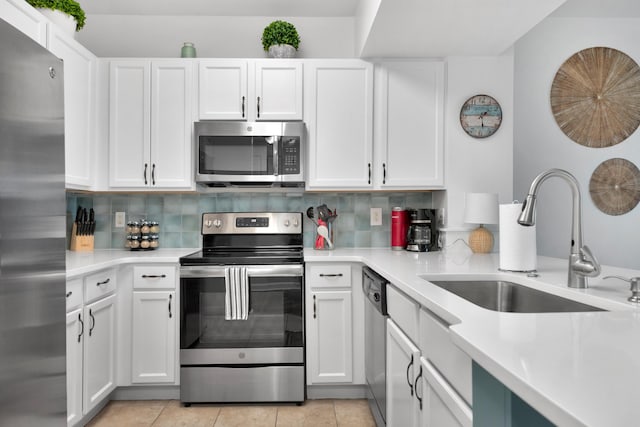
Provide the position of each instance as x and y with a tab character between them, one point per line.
481	240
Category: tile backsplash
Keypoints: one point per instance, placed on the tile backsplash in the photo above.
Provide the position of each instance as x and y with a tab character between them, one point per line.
179	215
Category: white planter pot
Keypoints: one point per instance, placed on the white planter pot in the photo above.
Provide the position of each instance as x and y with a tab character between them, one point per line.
282	51
63	21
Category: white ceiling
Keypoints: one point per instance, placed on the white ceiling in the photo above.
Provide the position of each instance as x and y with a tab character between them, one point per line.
312	8
599	9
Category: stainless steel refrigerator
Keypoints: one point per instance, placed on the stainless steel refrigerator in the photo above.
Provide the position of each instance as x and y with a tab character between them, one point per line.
32	234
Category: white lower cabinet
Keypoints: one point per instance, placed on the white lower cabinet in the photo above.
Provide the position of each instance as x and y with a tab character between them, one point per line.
329	337
403	359
154	337
75	332
99	373
440	405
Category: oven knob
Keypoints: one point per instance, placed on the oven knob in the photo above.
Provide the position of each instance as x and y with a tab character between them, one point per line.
295	223
208	223
217	223
286	222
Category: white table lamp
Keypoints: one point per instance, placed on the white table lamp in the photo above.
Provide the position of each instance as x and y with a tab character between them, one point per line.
481	208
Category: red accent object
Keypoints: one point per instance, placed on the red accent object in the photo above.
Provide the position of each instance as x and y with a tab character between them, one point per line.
319	239
399	228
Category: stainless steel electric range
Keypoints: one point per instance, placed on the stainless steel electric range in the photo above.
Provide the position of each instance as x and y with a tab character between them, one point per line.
242	310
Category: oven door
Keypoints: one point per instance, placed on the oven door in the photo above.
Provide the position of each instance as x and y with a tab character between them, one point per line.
272	333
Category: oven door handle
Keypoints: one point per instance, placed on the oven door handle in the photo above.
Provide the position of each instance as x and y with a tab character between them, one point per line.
252	271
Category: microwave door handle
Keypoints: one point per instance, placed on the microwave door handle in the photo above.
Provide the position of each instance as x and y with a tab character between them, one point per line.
275	144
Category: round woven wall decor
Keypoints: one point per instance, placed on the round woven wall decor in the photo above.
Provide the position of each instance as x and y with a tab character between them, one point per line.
615	186
595	97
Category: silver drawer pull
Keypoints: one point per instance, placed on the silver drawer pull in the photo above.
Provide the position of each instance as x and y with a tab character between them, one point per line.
104	282
154	276
331	275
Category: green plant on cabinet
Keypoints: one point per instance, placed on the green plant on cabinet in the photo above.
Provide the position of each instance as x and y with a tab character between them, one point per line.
70	7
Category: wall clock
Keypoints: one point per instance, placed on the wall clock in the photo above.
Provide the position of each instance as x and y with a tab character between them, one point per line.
480	116
595	97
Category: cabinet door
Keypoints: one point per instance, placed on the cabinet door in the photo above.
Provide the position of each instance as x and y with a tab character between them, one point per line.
339	116
129	124
223	90
329	338
25	18
99	351
75	333
154	337
278	90
441	405
79	107
403	360
171	121
409	137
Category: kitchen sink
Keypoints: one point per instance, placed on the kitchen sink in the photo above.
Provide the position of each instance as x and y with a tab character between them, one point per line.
500	295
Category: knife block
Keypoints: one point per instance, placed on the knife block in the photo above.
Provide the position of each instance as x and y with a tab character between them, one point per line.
80	243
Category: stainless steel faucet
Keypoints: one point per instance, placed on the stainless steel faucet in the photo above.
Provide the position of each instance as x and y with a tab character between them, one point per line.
582	263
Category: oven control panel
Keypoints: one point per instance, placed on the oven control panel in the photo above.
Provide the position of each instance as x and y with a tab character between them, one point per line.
252	223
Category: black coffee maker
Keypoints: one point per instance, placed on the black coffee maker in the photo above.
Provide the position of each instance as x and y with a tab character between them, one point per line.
422	235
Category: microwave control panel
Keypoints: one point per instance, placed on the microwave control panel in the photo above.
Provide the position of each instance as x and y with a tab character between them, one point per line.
290	156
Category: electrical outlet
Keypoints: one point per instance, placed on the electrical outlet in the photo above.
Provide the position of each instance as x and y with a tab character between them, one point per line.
376	216
119	220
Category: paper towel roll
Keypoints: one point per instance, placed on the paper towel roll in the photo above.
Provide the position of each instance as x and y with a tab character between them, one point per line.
518	250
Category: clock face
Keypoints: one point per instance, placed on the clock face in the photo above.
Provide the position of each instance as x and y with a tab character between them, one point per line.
480	116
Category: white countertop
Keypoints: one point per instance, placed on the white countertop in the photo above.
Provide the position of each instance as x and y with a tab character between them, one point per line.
79	263
574	368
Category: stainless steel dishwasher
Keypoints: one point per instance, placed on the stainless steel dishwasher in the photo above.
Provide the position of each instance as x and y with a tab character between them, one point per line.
374	287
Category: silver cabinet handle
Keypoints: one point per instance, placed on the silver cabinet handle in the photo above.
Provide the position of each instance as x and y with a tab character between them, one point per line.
314	307
104	282
154	276
170	314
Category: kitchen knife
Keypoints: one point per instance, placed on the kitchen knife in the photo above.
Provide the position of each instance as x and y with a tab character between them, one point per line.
92	222
78	220
85	217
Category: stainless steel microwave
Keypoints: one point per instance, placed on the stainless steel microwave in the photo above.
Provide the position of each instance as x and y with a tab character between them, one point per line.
250	153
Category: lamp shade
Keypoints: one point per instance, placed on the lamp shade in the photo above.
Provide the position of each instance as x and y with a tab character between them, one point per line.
481	208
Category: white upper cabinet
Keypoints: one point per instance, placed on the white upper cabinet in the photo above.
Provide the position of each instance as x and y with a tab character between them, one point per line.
25	18
150	124
409	125
79	107
278	90
250	90
339	117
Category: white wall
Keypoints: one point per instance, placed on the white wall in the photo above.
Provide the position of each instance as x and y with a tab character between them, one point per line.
221	37
477	165
540	144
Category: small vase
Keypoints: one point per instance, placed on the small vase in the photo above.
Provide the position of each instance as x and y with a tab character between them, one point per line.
188	50
66	23
282	51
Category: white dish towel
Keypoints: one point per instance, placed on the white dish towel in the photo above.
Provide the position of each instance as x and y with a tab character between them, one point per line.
236	300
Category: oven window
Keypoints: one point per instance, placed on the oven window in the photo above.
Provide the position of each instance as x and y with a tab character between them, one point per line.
236	155
275	314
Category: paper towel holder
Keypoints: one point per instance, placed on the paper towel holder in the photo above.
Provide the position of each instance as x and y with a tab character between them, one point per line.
530	273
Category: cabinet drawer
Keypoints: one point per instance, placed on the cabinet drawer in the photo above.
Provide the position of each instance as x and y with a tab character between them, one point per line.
404	312
443	406
448	359
99	284
74	294
329	276
154	277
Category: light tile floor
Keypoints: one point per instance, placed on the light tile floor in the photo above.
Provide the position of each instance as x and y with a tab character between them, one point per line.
170	413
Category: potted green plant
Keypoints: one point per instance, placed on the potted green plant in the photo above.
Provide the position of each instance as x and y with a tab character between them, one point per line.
280	39
70	9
